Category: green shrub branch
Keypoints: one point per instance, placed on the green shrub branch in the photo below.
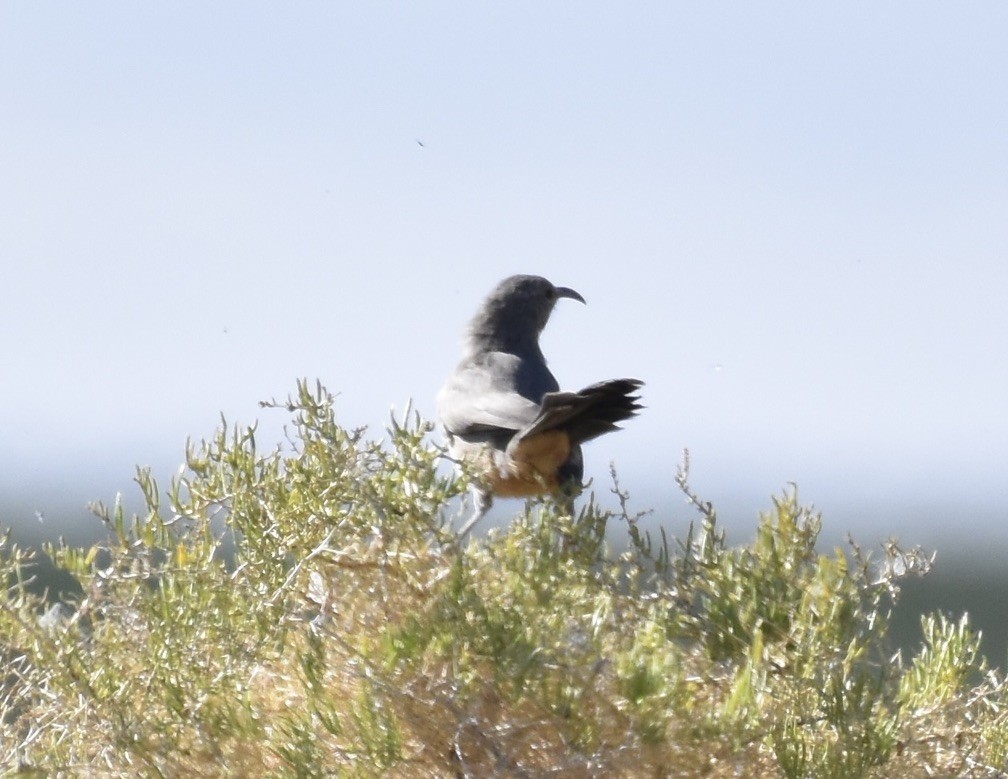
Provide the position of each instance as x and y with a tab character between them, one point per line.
310	610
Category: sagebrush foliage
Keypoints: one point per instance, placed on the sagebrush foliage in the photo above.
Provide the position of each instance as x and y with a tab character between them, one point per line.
311	611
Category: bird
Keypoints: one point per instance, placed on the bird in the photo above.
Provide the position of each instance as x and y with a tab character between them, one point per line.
502	411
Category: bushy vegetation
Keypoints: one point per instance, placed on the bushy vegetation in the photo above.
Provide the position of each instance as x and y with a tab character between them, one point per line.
310	611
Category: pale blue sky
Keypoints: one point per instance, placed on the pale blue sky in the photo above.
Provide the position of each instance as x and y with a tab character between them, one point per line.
790	219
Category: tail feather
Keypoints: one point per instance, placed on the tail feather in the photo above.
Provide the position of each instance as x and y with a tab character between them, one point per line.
587	414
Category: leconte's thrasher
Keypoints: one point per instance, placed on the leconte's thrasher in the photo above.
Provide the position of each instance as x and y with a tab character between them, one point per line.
503	410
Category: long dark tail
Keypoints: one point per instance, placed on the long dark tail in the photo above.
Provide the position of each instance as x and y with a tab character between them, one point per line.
586	414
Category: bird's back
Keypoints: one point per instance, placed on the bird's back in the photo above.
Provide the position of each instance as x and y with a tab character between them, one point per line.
494	391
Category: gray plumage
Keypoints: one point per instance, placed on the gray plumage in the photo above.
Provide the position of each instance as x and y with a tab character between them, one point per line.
503	408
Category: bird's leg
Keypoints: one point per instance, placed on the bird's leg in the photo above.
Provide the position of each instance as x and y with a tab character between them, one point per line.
569	490
482	501
564	498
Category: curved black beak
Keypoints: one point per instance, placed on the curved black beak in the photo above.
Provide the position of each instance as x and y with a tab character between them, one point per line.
567	292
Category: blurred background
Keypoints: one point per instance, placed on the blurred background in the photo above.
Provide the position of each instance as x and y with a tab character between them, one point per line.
790	220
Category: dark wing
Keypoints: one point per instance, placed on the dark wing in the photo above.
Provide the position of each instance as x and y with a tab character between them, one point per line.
586	414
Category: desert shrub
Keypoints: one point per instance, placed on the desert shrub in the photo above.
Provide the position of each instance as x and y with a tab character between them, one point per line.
310	610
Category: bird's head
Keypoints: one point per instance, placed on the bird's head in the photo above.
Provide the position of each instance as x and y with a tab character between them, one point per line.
516	311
